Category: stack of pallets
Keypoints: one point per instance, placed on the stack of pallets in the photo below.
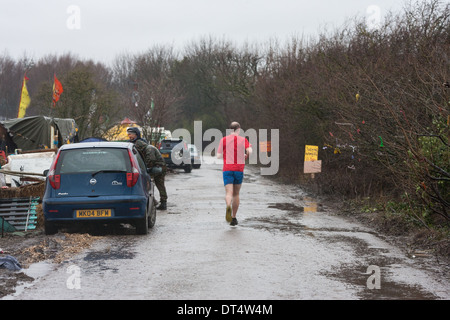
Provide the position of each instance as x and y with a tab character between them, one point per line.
18	213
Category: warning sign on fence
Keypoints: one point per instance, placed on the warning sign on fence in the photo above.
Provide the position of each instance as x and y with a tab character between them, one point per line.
312	164
311	153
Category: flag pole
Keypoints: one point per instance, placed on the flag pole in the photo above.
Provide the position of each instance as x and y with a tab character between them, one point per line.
52	105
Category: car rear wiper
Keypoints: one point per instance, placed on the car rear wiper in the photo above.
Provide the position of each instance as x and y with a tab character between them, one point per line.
107	171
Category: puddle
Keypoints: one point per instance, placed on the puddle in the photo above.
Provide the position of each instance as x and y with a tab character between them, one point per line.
39	269
249	178
282	223
275	224
31	275
356	276
364	250
310	206
116	254
103	259
119	249
286	207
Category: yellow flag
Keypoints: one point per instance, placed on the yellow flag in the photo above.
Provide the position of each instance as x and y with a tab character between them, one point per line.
24	99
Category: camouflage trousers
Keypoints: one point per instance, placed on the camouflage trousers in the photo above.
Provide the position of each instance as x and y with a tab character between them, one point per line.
159	183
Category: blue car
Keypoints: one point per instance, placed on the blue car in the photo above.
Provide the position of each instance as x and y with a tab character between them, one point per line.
98	182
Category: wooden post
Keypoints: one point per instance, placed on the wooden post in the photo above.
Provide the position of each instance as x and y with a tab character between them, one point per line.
52	133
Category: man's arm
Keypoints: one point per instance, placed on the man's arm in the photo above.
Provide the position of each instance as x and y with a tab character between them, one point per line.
248	152
219	153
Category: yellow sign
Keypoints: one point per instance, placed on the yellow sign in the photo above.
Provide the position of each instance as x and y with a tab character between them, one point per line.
94	213
311	153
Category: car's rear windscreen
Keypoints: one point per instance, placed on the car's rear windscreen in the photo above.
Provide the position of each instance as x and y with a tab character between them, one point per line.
93	160
169	144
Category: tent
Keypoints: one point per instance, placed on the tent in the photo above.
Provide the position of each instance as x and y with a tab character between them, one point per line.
119	132
36	132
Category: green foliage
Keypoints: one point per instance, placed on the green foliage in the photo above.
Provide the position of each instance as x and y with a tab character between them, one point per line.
85	98
434	187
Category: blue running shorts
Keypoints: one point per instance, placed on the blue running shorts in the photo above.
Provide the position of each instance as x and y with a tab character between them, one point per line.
232	177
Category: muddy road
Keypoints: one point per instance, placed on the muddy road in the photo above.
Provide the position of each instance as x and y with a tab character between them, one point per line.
286	246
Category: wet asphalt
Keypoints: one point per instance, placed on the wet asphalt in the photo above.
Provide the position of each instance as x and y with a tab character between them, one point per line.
287	246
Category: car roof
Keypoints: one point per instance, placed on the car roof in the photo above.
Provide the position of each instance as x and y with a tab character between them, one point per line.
99	144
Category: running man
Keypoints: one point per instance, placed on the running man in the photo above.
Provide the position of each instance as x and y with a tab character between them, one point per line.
234	150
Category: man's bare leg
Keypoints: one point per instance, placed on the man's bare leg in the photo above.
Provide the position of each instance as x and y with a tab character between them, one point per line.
236	200
229	201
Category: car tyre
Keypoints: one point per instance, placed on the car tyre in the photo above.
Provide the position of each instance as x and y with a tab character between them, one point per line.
152	214
142	225
188	168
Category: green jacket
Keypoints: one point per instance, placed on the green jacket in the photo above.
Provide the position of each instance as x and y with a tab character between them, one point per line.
151	155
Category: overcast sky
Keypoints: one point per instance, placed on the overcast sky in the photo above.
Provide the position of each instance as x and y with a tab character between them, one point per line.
102	29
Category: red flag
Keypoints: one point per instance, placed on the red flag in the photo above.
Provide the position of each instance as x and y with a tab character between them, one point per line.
57	90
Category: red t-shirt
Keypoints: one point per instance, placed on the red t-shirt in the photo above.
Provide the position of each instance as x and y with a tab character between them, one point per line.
233	149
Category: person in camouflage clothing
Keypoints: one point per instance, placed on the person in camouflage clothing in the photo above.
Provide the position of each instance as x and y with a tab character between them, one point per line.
152	158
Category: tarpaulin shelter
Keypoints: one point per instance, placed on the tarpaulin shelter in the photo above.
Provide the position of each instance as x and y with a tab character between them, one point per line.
40	132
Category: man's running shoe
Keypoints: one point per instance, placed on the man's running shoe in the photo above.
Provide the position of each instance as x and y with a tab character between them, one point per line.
233	222
228	214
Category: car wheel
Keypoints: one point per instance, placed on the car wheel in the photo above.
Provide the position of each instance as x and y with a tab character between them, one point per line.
152	214
50	228
188	168
142	225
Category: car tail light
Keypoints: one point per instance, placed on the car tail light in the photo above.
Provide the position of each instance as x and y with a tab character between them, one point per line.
133	176
55	179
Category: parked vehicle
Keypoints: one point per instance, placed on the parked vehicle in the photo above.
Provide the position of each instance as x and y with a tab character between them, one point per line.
98	182
196	159
176	154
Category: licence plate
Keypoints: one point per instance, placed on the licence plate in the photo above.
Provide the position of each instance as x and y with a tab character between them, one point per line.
94	213
165	155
